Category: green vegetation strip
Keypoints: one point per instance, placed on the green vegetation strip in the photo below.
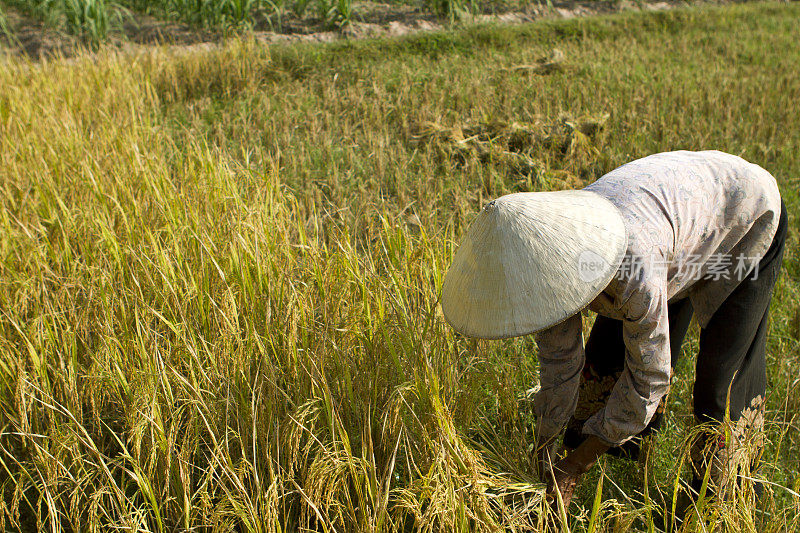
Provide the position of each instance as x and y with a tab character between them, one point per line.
219	271
93	21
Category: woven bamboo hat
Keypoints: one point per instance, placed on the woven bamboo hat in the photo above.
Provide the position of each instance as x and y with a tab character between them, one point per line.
530	260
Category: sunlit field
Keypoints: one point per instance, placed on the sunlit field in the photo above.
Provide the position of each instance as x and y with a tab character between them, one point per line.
219	273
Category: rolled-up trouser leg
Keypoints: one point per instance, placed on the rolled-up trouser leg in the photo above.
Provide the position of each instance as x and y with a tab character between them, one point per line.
605	361
731	370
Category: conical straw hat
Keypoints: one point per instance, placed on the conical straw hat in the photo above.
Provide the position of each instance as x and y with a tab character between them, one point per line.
530	260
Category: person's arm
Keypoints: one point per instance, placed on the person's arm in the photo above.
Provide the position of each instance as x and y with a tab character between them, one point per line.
646	377
561	360
636	395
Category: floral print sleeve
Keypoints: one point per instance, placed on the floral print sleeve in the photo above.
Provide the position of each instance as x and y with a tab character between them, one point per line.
645	379
561	361
641	304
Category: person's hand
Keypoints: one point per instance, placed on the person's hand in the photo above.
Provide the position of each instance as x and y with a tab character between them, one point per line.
568	471
564	478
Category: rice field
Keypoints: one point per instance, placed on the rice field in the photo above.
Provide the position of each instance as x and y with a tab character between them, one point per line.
220	270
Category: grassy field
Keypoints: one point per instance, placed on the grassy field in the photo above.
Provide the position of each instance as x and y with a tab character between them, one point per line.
219	272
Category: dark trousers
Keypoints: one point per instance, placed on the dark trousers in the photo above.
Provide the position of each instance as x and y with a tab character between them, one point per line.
731	357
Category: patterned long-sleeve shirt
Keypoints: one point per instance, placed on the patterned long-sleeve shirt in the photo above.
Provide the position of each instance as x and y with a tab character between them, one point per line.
697	223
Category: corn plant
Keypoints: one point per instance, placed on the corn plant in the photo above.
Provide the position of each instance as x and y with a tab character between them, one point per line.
275	21
87	18
237	11
453	10
344	11
300	6
335	12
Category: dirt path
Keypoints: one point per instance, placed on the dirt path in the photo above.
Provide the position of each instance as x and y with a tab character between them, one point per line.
31	38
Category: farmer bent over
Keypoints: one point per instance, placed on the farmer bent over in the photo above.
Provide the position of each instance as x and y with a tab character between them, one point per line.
646	247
